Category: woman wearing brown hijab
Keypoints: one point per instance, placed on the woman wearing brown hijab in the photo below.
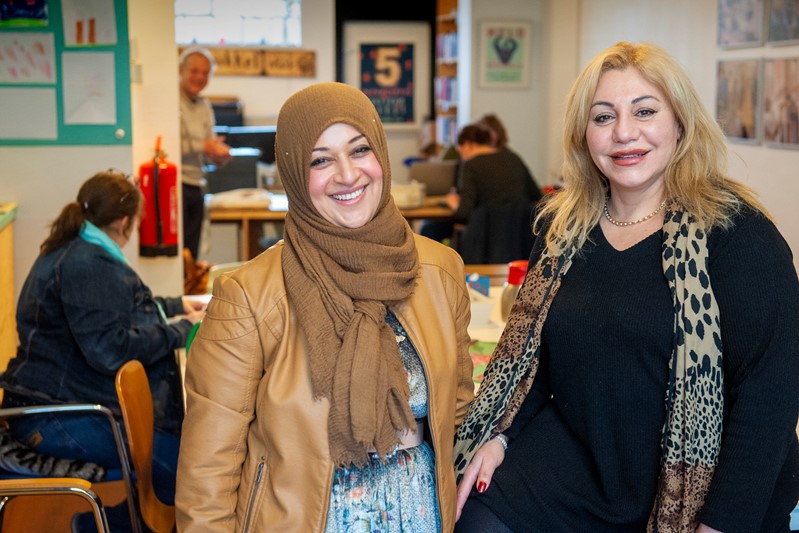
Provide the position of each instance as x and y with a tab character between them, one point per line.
328	378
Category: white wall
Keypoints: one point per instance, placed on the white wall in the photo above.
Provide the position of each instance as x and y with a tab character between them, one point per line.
566	34
524	111
154	113
262	96
687	29
43	179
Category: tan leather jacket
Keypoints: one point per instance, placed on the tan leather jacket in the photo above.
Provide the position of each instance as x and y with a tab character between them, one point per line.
254	455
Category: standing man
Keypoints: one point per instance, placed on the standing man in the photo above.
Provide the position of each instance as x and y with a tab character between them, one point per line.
198	143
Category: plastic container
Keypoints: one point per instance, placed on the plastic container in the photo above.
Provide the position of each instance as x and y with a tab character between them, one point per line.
516	272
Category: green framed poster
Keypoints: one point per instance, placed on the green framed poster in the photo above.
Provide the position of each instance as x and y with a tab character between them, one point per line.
64	72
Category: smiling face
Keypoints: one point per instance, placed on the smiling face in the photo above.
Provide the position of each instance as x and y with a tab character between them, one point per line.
346	181
632	131
194	75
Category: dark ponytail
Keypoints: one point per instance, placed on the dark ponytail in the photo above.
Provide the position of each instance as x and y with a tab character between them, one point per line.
104	198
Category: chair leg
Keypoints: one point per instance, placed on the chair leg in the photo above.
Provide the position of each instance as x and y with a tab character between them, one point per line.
3	501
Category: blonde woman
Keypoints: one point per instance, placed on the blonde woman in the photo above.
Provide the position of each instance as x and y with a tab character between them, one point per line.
647	377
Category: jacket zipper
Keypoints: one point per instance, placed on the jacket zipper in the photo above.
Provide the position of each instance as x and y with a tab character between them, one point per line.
259	473
429	407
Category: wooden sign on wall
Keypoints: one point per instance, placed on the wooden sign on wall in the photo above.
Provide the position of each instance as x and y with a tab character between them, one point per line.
272	62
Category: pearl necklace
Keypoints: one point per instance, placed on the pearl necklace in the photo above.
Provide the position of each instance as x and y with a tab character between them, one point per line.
625	224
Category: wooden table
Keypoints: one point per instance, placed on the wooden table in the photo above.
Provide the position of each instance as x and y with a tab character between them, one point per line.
250	220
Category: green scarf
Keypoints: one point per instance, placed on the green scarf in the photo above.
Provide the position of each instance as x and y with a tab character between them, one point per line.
691	436
94	235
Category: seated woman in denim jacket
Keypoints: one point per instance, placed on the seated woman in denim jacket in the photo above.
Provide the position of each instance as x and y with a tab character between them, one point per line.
82	314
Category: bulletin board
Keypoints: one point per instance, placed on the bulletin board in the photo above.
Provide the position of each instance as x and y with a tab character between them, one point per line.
64	72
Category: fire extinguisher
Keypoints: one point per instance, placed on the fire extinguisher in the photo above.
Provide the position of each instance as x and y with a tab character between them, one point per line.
158	231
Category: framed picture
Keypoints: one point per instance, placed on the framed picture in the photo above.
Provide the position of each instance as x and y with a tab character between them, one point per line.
740	23
783	22
387	79
781	102
504	54
737	97
390	63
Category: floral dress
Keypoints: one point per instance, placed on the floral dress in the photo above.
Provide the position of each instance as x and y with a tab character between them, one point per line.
397	494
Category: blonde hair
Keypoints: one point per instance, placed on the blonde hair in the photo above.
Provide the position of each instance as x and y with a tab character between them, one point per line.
696	177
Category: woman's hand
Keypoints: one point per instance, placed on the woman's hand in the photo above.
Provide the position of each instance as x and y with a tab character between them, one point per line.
480	471
453	199
190	305
194	316
706	529
193	310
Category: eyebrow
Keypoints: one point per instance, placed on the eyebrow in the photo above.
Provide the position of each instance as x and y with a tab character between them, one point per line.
325	148
635	100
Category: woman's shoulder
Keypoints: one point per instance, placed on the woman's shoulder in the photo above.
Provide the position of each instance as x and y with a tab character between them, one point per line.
79	255
261	277
749	234
249	295
436	254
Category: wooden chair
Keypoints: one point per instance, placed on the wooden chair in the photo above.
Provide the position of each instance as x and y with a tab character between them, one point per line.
497	273
10	488
497	234
220	269
14	483
136	403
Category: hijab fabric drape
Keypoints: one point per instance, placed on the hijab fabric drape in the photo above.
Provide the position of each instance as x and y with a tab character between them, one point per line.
340	281
691	436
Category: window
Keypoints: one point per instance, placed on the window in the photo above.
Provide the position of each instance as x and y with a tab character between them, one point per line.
238	22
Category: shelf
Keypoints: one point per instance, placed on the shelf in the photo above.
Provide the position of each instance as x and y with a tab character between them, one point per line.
445	86
446	68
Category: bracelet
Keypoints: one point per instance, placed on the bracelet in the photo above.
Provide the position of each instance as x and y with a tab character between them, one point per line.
502	439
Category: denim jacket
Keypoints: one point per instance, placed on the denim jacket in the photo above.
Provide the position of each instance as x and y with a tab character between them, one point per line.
81	315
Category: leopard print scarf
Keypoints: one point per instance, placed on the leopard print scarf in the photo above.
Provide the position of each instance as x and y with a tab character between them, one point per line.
691	436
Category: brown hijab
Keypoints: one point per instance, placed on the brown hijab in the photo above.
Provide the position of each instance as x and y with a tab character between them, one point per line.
340	280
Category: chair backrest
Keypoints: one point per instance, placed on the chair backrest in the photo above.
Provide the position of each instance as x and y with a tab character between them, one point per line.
56	486
220	269
136	404
498	234
19	463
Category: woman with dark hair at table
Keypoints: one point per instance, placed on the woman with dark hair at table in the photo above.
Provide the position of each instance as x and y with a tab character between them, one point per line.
83	313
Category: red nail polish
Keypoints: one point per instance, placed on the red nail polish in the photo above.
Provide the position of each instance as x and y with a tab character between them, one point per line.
481	486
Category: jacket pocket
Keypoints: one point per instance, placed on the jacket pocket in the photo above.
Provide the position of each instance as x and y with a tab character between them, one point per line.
259	475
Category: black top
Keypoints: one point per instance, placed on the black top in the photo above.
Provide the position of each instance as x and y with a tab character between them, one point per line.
494	179
585	447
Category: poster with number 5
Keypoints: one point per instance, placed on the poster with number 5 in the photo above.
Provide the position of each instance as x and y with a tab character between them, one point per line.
387	79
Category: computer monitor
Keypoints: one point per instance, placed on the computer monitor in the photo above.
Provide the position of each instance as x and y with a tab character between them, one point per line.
261	137
438	176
